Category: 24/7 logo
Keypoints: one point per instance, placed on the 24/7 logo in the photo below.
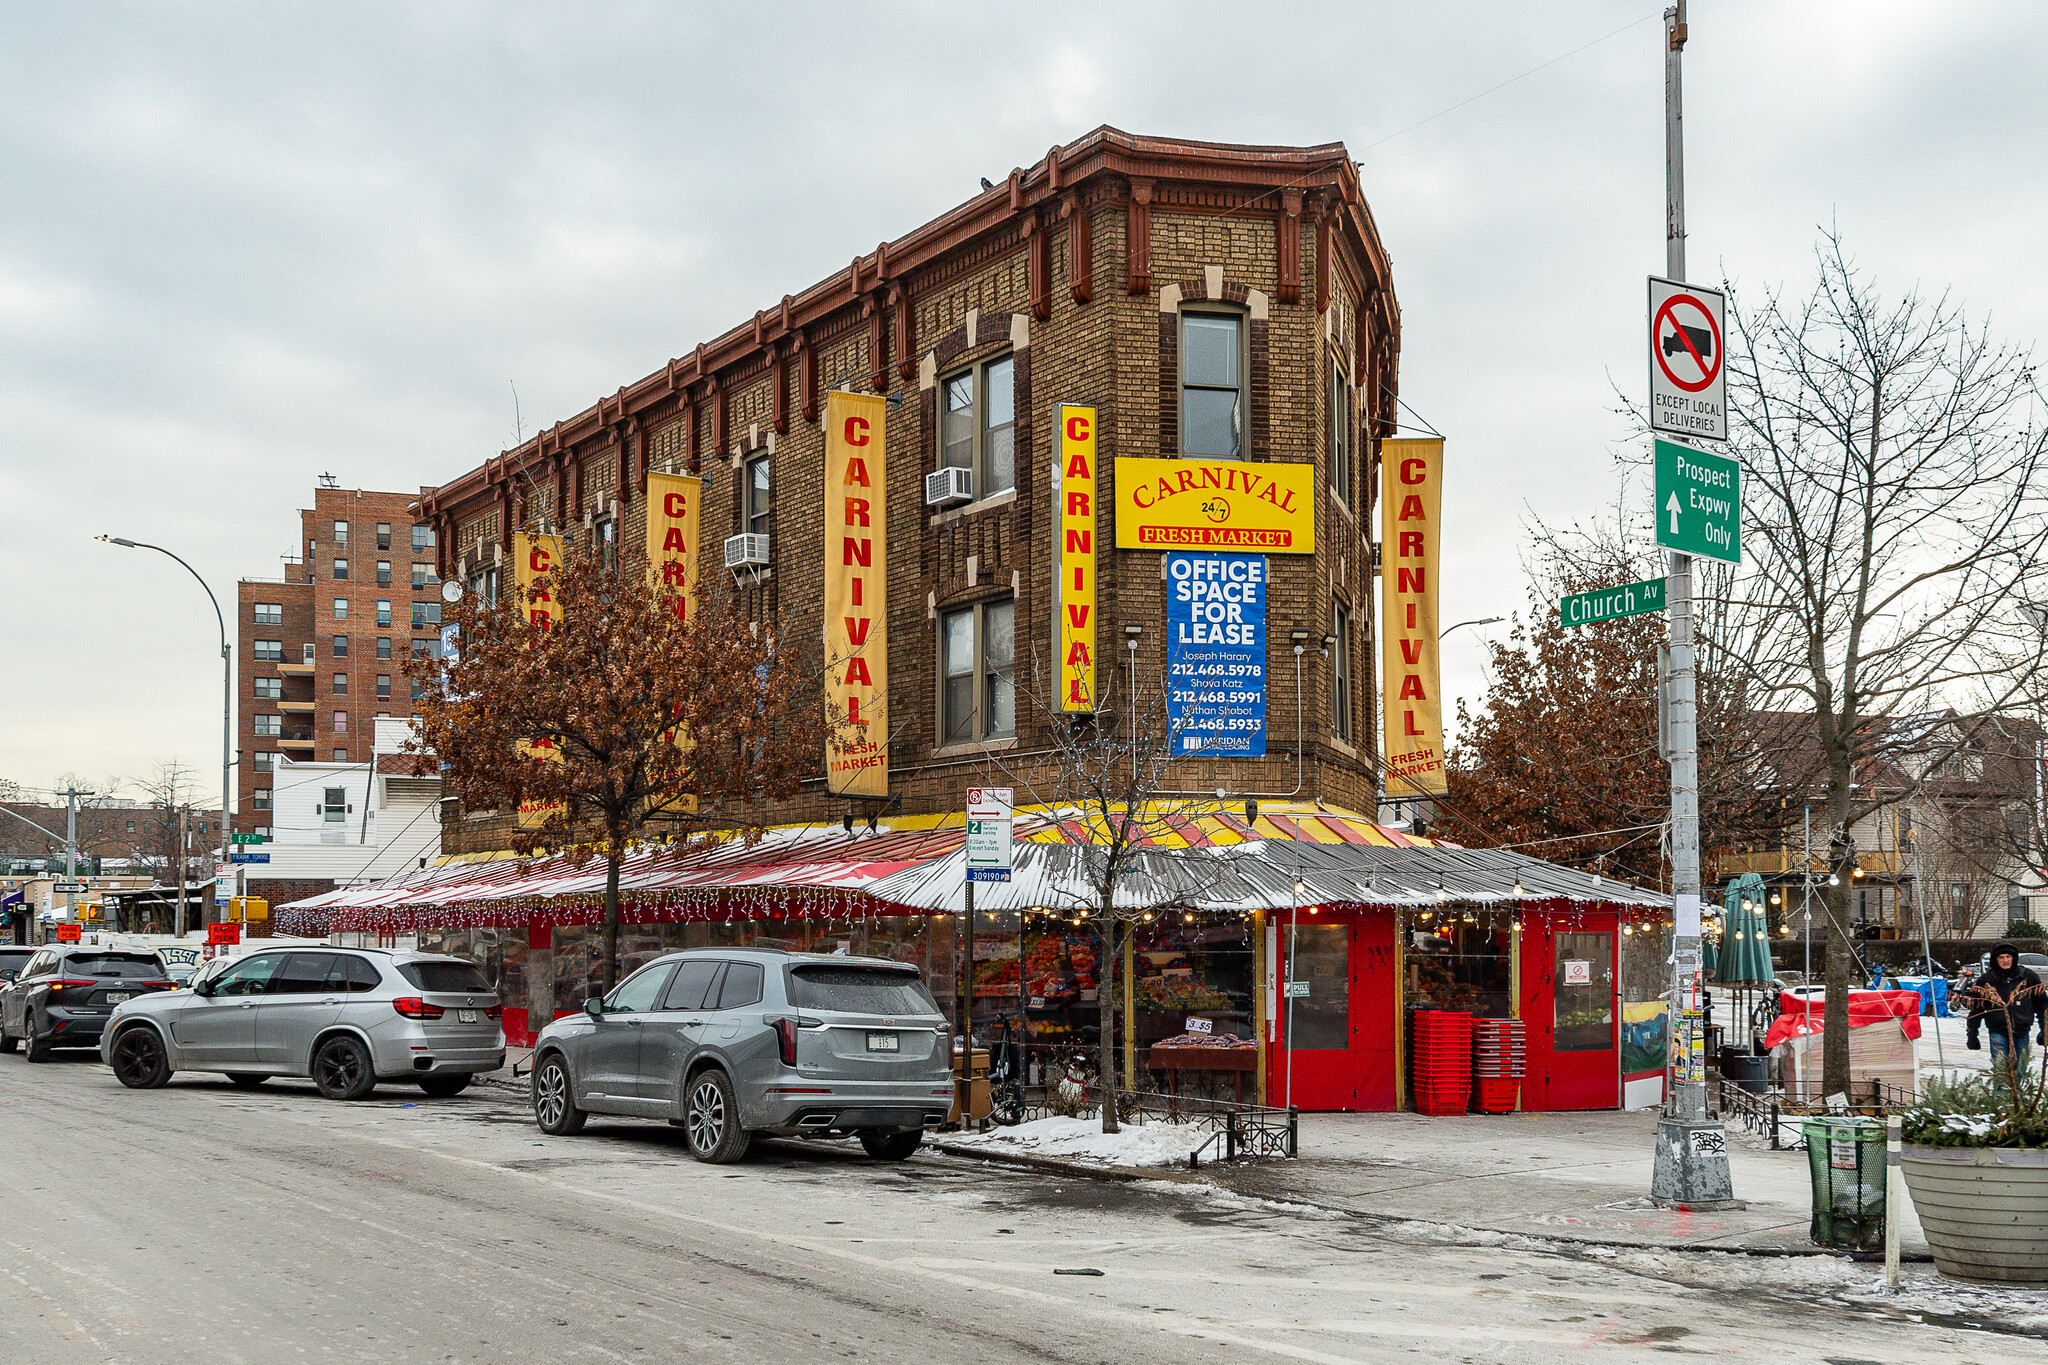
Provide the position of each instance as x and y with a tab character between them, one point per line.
1217	510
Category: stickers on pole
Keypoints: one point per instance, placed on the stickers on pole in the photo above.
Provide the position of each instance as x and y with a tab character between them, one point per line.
1688	381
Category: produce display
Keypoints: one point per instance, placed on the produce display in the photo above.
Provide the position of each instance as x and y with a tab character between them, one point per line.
1178	993
1219	1040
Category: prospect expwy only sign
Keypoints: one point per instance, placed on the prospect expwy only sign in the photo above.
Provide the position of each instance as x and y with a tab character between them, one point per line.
1604	604
1699	502
1688	382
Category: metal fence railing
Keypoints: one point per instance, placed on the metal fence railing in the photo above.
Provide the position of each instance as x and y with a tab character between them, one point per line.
1231	1131
1777	1113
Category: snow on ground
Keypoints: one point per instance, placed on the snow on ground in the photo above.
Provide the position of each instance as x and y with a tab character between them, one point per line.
1147	1144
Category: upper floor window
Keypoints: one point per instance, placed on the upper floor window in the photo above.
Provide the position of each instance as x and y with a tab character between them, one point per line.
269	725
759	494
340	570
484	583
340	687
1340	673
978	699
341	609
269	689
269	613
423	537
341	533
383	573
608	544
264	762
383	647
383	611
340	645
383	535
978	429
383	687
269	651
1212	384
423	576
426	614
1343	421
341	755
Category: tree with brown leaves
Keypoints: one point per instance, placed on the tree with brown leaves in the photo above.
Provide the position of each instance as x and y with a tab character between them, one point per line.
618	717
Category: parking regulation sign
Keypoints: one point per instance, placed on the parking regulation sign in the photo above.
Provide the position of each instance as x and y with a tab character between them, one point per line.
1688	380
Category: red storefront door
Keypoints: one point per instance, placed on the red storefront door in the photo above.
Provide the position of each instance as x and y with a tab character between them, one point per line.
1571	1013
1343	1028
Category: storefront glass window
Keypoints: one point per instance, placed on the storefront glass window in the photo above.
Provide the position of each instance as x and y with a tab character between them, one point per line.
1455	965
1322	959
1583	986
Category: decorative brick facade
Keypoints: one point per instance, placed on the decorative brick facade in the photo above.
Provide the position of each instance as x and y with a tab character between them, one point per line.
1077	269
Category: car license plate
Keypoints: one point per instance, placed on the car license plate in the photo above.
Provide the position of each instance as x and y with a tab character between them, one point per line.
465	1016
884	1042
116	997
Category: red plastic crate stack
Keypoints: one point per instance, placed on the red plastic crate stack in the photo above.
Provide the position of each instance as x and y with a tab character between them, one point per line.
1442	1062
1498	1065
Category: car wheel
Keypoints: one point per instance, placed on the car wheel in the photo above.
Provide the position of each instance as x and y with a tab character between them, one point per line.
711	1119
554	1100
343	1070
248	1080
443	1087
38	1044
139	1061
892	1146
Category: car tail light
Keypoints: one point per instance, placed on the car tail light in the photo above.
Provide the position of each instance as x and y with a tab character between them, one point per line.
79	985
785	1039
412	1007
495	1012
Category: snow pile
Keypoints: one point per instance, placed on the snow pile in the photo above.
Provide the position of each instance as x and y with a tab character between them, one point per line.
1148	1144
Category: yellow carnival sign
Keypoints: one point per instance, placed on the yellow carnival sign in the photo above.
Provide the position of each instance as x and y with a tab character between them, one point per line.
1411	505
1074	629
1215	505
856	595
533	559
672	537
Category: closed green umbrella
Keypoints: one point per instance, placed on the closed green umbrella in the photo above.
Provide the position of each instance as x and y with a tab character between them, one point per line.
1711	945
1745	956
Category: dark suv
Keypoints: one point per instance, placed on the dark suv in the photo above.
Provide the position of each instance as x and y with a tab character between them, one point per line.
66	991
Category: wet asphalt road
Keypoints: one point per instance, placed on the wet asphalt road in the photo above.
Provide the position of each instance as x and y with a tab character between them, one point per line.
204	1223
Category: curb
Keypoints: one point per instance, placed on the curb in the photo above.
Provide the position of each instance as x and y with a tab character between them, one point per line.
1053	1165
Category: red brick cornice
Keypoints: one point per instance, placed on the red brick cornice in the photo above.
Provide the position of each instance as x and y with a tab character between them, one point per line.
1282	175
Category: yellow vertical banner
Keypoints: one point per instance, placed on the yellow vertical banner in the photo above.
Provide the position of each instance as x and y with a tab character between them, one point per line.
856	595
1411	710
672	537
533	559
672	512
1074	631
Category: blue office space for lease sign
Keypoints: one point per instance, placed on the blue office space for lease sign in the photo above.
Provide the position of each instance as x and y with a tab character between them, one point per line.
1216	654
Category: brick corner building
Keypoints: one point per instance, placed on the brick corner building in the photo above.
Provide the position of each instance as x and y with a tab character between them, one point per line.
1227	306
321	649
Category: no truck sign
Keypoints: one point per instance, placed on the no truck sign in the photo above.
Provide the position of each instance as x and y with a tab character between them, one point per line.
1688	381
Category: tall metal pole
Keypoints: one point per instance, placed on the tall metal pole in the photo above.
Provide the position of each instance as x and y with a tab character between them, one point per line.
227	697
1806	893
1692	1157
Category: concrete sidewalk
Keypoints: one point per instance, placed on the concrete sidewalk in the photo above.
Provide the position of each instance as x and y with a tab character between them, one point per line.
1582	1176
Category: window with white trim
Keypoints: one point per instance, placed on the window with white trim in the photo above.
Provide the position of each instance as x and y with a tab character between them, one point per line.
1340	672
1212	384
978	688
978	424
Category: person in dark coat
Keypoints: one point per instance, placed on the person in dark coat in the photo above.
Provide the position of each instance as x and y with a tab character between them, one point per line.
2006	1001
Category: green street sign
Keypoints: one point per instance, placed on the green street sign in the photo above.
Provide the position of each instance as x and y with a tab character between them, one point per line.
1699	502
1604	604
248	838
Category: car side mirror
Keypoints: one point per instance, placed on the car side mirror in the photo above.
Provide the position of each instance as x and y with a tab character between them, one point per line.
202	988
594	1006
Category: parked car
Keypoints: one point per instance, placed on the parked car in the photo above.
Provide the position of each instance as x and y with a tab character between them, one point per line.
347	1017
65	993
731	1044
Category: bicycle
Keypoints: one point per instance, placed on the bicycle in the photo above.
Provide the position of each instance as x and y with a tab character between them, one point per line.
1006	1079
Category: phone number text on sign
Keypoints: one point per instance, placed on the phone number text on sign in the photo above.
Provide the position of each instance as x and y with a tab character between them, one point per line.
1216	654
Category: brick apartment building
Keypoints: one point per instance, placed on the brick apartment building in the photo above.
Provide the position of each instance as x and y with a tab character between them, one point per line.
1209	301
322	649
112	837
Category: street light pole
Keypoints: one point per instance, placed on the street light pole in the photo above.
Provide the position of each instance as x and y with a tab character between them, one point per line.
227	698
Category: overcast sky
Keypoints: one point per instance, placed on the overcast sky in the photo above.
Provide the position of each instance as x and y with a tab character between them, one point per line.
244	244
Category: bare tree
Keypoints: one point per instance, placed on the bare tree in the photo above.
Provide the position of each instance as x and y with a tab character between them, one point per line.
1891	454
1110	771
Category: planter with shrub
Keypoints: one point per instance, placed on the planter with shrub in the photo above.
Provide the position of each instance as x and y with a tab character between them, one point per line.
1976	1164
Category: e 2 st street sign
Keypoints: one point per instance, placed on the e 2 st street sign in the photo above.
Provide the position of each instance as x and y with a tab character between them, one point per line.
1688	379
1698	502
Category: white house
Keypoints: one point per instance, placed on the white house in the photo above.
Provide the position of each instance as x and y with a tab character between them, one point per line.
352	823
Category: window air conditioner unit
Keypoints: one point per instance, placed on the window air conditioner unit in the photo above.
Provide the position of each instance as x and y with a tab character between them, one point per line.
745	551
954	483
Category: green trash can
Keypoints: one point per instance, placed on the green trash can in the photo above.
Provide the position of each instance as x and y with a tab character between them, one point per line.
1846	1156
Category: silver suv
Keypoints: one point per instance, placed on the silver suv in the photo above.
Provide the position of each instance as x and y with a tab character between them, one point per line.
347	1017
734	1043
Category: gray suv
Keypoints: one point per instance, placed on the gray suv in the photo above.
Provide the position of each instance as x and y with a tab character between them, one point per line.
347	1017
733	1043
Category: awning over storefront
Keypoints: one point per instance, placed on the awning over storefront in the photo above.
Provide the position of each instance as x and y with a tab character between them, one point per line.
1205	860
